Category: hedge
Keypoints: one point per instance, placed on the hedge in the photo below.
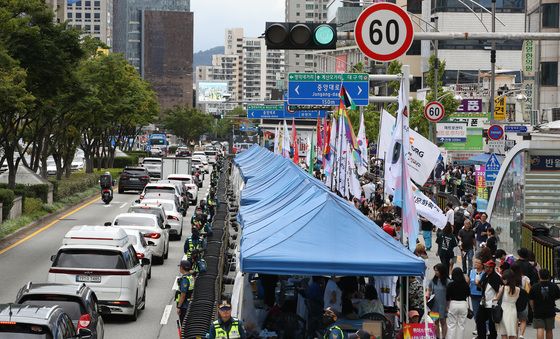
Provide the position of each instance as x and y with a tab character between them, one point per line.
39	191
140	154
32	205
119	162
77	182
7	199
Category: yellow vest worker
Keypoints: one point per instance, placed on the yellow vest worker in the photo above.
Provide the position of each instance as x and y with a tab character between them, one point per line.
226	327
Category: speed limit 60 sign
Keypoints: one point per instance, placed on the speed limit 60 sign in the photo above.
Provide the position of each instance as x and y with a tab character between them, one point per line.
434	111
383	31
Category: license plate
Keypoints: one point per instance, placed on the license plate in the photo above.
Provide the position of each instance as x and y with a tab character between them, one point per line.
88	278
134	179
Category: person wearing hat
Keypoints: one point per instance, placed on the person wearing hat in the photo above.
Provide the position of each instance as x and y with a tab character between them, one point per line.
186	287
489	285
226	327
360	334
329	320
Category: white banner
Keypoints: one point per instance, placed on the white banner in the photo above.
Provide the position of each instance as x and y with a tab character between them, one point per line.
423	154
451	132
429	209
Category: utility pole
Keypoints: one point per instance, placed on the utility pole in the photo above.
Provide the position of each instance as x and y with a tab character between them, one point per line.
436	77
493	64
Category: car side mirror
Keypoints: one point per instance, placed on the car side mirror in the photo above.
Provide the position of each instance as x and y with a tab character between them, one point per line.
108	223
53	257
167	226
151	243
145	261
84	333
137	201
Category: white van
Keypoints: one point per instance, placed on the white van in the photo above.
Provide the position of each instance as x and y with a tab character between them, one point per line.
104	259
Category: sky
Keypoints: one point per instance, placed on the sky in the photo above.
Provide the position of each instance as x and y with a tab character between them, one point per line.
212	17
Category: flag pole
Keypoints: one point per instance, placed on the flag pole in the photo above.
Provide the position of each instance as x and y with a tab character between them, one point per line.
405	87
334	152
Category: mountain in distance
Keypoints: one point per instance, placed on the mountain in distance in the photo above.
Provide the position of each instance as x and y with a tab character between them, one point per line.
205	57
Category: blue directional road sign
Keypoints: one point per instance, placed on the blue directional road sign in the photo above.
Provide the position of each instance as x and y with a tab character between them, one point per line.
492	168
515	129
281	112
323	89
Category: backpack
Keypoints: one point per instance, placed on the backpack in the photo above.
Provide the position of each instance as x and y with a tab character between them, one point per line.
459	218
522	300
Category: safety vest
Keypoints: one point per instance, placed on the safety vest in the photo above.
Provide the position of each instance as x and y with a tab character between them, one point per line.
190	279
192	246
331	329
233	331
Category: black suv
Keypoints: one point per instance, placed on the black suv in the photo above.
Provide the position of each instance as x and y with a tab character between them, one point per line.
133	178
38	322
79	302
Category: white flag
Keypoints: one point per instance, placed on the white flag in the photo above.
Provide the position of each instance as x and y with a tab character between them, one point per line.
308	153
330	157
362	147
353	182
341	164
428	209
276	131
286	142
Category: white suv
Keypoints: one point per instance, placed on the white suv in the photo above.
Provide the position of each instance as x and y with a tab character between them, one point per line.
103	259
155	232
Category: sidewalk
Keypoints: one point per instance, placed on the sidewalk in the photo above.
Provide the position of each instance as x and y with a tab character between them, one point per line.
470	324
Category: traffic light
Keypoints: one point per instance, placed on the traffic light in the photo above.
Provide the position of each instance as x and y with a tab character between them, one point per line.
293	35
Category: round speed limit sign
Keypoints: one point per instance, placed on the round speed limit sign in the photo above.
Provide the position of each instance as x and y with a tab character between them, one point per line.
383	31
434	111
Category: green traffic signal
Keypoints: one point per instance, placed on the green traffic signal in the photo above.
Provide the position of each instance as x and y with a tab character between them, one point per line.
324	35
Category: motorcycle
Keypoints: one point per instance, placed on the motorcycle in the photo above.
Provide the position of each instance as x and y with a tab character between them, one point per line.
106	195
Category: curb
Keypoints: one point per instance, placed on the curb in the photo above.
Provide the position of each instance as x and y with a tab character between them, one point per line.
30	228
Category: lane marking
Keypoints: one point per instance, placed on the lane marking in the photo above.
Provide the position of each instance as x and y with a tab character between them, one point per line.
124	205
49	225
166	314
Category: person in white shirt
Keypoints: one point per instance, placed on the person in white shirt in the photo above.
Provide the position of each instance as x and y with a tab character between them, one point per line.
450	214
333	295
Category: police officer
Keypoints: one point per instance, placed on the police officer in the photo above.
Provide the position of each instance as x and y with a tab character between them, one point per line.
333	331
226	327
192	243
186	287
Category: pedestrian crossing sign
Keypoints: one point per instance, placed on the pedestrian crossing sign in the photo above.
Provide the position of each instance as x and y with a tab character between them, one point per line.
493	164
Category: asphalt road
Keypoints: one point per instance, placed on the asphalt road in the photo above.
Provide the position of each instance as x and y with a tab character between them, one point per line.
30	261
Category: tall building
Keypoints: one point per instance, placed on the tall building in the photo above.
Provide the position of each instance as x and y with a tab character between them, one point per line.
156	37
93	17
303	11
253	72
540	63
59	9
466	58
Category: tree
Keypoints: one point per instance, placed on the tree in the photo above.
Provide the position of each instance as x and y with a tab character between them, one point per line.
16	105
187	123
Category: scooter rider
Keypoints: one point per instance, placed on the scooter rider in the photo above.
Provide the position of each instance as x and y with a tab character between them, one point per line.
106	182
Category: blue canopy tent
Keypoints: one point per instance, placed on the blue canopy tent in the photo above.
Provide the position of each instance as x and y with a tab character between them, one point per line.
322	238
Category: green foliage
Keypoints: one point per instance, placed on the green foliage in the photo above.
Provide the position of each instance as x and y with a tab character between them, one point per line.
358	68
39	191
139	154
187	123
120	162
79	182
31	205
170	150
446	98
7	199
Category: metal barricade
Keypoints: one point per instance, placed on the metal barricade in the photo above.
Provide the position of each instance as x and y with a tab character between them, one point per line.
547	252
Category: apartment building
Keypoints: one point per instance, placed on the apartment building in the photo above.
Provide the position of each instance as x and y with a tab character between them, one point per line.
93	17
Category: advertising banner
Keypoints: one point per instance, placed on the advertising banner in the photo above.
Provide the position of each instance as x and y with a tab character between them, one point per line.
423	154
341	62
470	106
418	331
481	190
500	108
212	91
475	124
545	163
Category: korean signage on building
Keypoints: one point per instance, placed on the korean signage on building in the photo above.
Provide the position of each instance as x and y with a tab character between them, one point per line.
475	123
470	106
500	108
481	190
451	132
528	58
545	162
341	62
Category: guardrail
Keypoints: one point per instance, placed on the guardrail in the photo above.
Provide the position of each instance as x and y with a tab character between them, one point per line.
546	249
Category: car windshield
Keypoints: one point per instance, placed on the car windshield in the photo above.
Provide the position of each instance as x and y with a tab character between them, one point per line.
71	306
83	258
210	152
144	210
159	190
24	331
134	221
180	179
168	206
152	162
134	171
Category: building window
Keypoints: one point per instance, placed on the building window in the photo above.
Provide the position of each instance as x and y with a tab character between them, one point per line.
97	4
550	15
87	28
70	15
415	48
549	73
414	6
78	15
555	114
87	3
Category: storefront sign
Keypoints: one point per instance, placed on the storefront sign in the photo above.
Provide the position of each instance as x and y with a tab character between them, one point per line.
500	108
528	59
451	132
529	86
418	331
470	106
472	120
545	162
